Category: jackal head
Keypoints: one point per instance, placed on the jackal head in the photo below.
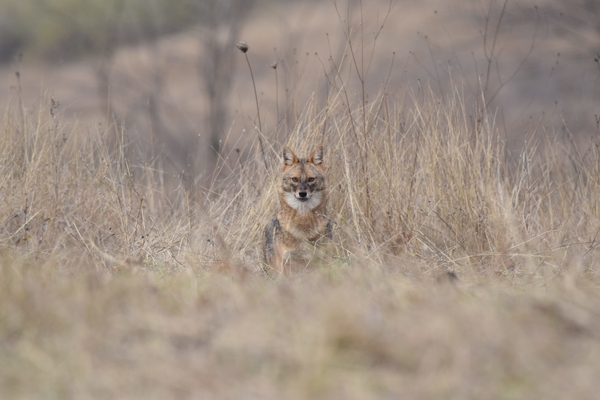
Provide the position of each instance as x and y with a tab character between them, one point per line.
303	182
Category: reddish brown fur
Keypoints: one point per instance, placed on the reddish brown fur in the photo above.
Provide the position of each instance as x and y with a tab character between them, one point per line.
303	207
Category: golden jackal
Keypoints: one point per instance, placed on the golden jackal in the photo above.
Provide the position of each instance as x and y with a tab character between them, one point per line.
302	207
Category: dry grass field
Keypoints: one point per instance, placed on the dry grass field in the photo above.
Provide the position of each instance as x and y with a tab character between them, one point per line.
460	268
453	274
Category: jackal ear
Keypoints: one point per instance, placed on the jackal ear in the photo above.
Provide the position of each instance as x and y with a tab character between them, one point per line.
317	156
289	158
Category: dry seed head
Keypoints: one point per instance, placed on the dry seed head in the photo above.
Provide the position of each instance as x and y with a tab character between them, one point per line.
274	64
243	46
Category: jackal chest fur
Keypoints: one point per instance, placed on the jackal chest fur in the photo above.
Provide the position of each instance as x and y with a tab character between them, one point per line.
308	226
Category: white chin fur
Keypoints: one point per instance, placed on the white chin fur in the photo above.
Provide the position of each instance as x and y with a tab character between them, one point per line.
303	207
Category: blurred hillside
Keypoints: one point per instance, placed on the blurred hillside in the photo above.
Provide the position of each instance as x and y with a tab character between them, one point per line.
170	75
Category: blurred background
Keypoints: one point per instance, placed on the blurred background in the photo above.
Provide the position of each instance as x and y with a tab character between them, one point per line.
166	74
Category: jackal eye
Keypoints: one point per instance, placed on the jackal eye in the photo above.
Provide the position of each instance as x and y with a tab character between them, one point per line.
311	180
294	179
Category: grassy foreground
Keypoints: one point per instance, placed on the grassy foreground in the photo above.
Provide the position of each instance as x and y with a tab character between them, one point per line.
455	273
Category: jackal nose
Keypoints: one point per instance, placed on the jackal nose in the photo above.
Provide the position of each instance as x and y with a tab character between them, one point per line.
302	193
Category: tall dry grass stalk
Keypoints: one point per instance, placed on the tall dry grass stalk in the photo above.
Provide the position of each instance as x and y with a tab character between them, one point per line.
438	189
117	282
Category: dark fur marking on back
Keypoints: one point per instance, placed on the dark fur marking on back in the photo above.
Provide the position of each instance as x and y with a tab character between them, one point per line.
270	232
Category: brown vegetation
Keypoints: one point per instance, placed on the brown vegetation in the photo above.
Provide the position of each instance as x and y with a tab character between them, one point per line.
452	274
459	268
